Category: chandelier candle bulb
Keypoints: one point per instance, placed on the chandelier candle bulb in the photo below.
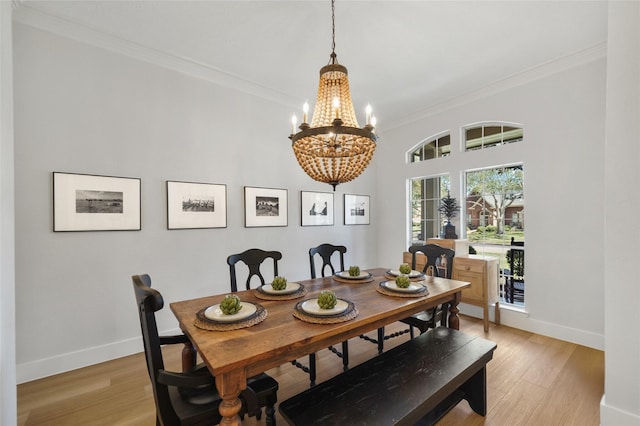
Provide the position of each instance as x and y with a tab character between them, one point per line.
368	110
336	107
305	112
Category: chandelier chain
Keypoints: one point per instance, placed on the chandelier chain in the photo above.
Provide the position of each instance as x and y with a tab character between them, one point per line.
333	31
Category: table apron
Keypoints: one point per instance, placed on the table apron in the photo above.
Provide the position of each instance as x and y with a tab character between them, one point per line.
275	360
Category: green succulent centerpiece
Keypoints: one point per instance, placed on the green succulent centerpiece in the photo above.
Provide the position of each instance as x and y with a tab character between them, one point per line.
354	271
403	281
405	268
231	304
279	283
327	299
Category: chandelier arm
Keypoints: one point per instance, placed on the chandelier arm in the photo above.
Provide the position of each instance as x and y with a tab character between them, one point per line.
365	132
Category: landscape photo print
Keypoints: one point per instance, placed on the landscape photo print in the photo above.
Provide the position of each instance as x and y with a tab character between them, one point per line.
84	202
265	207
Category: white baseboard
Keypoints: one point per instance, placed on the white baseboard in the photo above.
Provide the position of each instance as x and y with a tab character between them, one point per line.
521	320
612	416
73	360
38	369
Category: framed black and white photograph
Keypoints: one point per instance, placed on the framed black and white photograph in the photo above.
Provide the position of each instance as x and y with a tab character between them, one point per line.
265	207
193	205
316	208
84	202
356	209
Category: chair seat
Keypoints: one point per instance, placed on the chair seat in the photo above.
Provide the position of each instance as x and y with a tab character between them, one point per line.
262	385
193	408
425	320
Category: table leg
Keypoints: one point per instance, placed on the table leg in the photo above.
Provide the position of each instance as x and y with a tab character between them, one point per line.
454	320
229	386
188	356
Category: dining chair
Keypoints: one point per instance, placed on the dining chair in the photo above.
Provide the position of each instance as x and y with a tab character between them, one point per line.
439	263
254	258
432	260
190	397
327	252
515	279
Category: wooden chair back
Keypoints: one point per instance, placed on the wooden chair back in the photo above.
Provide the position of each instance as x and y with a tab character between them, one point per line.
253	258
326	251
439	258
149	302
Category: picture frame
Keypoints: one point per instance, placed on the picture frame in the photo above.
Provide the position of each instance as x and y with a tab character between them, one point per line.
84	202
196	205
265	207
356	209
316	208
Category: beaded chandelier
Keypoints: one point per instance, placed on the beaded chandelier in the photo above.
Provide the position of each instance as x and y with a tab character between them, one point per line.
333	149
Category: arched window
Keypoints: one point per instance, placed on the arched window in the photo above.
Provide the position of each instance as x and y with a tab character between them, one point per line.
433	147
485	135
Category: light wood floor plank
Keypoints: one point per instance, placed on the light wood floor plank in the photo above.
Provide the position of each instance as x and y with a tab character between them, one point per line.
532	380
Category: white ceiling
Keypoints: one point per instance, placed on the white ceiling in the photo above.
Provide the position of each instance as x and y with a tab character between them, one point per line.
403	57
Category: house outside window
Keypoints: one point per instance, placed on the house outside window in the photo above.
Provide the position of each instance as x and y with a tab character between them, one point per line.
495	204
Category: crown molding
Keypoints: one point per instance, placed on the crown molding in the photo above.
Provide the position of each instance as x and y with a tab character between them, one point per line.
538	72
27	15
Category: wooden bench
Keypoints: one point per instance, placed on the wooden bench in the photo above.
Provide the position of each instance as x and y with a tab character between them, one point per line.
416	382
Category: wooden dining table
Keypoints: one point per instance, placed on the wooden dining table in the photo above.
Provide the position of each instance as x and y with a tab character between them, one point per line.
233	356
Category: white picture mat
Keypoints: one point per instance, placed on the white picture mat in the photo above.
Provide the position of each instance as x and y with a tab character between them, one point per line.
177	218
318	199
65	217
356	209
252	219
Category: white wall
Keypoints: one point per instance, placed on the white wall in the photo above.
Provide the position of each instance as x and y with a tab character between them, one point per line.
83	109
621	402
8	403
563	119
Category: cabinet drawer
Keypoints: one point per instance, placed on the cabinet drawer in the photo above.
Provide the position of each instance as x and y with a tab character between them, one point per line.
468	265
476	291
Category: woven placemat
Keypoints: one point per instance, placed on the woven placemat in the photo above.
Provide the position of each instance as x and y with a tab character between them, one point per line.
347	315
383	290
206	324
349	281
268	296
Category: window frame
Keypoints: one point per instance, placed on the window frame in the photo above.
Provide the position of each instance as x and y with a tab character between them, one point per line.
411	154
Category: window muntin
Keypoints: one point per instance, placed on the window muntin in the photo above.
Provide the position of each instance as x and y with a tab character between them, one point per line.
435	147
489	135
426	220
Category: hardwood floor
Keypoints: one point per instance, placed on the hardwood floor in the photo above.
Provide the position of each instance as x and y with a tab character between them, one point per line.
532	380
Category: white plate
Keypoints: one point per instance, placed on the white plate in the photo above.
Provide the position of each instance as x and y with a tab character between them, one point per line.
412	274
345	274
290	288
215	313
311	307
414	287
